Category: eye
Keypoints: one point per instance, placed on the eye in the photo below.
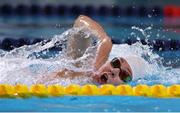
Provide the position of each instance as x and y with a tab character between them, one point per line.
115	63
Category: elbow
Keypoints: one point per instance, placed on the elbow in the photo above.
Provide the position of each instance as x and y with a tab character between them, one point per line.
108	42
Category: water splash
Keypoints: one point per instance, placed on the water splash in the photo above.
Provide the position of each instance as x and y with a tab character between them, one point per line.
157	72
29	63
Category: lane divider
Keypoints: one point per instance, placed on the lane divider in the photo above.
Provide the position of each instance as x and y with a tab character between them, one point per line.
75	10
157	44
40	90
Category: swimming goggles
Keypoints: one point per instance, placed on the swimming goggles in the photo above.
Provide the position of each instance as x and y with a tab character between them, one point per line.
123	74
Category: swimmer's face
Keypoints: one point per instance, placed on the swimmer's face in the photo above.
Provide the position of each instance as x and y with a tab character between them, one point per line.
115	72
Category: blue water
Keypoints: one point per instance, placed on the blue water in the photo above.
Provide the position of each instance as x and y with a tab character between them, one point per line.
46	27
91	103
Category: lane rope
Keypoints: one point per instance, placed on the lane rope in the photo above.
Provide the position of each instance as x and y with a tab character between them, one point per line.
40	90
157	44
75	10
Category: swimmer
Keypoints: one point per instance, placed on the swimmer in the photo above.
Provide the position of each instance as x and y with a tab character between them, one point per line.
115	71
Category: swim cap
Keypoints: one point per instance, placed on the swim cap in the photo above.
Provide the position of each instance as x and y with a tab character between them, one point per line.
138	66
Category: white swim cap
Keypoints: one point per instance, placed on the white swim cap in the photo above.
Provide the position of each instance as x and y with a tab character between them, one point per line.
138	66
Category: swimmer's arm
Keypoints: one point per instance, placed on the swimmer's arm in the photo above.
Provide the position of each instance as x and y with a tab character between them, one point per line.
71	73
103	52
50	77
64	73
84	21
106	44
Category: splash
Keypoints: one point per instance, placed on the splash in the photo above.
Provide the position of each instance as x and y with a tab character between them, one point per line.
157	73
30	63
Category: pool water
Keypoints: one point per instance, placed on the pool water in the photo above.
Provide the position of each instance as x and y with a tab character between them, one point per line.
91	104
23	64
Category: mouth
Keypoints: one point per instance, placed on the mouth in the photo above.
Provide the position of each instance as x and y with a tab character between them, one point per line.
104	78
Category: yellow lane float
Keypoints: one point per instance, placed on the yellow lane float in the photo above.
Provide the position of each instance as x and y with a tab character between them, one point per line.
173	91
89	90
40	90
56	90
124	90
141	90
72	89
6	90
158	91
107	89
21	90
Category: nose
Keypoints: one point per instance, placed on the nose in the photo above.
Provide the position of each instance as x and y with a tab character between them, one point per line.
116	70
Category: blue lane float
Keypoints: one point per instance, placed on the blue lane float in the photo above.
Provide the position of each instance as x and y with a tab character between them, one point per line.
103	10
143	11
62	10
7	44
11	43
130	11
160	45
156	11
22	41
74	10
21	9
34	9
48	10
89	10
6	9
116	11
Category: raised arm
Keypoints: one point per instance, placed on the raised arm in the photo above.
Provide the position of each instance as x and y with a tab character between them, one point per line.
106	44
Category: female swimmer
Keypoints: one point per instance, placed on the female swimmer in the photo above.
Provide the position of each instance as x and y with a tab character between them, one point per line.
115	71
